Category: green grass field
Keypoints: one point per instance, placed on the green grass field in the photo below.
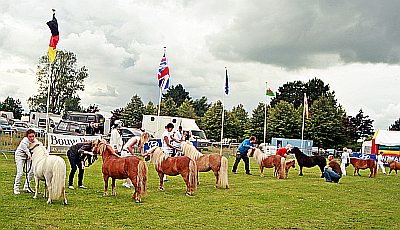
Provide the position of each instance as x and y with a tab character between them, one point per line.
252	202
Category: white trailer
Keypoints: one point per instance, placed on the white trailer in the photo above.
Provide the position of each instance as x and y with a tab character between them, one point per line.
155	125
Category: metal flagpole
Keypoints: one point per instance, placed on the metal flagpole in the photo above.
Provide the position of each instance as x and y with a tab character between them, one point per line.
47	109
302	127
159	98
223	114
265	120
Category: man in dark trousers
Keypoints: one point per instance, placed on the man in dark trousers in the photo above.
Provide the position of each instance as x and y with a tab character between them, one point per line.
242	154
335	174
76	156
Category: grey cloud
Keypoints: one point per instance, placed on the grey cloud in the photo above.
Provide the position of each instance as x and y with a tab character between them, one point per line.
128	62
311	33
109	92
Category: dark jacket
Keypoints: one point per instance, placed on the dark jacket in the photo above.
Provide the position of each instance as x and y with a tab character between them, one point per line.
78	149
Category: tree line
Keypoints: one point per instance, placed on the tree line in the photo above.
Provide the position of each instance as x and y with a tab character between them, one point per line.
328	125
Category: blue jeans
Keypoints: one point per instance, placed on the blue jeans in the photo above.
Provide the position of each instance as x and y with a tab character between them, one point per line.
331	176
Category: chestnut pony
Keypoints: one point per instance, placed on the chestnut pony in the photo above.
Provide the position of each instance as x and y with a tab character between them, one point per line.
269	161
363	164
173	166
394	165
206	162
288	164
117	167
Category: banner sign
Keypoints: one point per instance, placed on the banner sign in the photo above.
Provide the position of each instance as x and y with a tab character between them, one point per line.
60	140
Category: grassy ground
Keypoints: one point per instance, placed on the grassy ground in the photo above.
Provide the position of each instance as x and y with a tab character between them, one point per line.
252	202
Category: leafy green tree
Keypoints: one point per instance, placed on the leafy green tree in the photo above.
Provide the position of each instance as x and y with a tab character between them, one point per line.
73	104
91	109
186	110
132	114
284	121
236	123
12	105
168	107
150	109
211	121
201	106
325	126
360	126
293	92
395	126
66	80
256	123
177	93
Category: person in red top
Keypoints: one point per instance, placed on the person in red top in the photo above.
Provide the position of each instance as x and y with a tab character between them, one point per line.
283	151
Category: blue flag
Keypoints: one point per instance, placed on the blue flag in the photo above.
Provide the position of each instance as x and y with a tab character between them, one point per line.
226	82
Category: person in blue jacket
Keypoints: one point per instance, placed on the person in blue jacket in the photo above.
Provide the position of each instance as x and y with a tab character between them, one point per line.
242	154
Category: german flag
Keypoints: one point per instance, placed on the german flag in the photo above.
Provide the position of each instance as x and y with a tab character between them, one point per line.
53	25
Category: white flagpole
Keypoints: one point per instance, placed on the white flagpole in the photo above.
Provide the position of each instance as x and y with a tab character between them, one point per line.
223	114
302	127
159	98
47	109
265	120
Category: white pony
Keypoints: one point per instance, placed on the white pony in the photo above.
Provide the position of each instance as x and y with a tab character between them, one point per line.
51	169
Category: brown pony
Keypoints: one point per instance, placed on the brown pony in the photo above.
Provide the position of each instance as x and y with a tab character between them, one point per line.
394	165
173	166
215	162
288	164
271	161
117	167
363	164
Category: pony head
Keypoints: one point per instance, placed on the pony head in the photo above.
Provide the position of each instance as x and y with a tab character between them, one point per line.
99	146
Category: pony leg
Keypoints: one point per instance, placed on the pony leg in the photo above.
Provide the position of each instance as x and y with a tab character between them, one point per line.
36	187
105	185
65	197
161	175
261	171
50	190
113	186
135	195
45	190
185	177
358	172
216	173
301	171
322	171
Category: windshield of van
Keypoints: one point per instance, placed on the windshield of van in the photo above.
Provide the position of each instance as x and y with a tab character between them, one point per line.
198	134
3	121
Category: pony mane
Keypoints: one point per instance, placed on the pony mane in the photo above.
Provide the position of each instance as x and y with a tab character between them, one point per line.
190	151
259	156
157	156
297	151
38	148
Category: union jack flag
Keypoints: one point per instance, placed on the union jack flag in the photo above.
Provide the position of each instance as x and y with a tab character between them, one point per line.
163	74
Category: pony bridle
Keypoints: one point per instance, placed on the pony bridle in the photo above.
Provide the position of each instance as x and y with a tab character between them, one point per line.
31	149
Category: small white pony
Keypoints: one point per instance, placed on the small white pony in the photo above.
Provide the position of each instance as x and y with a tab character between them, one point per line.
51	169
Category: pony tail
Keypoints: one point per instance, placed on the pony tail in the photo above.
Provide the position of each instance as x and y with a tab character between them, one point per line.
192	175
375	168
223	173
58	179
282	171
142	179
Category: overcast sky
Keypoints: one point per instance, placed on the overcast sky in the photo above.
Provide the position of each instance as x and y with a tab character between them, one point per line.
351	45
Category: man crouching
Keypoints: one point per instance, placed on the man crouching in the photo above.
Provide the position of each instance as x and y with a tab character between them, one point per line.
335	174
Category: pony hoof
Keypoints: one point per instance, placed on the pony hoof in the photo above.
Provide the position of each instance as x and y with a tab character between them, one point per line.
137	201
188	194
49	202
162	189
65	203
34	197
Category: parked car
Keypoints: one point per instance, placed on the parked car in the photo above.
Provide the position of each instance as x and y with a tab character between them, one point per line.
20	126
4	125
70	128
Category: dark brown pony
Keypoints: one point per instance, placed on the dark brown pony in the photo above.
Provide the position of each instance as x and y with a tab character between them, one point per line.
206	162
363	164
173	166
117	167
394	165
289	164
269	161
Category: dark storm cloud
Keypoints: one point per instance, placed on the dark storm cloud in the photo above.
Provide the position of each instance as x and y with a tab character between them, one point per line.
296	34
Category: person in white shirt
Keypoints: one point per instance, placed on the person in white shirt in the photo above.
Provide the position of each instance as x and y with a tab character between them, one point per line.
178	135
166	139
23	156
345	161
128	150
380	163
115	138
